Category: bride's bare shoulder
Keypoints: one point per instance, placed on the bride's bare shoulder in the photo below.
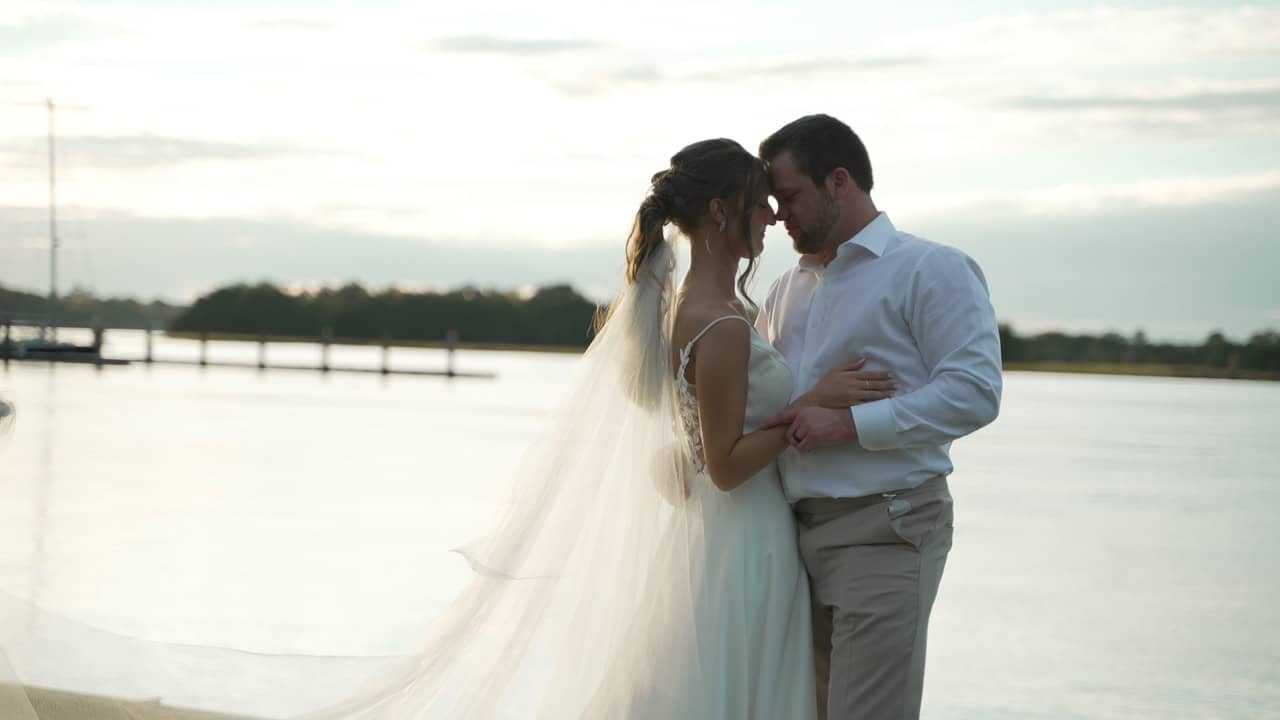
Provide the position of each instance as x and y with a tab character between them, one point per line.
694	315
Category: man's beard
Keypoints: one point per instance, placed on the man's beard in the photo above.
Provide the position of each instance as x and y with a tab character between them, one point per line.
813	239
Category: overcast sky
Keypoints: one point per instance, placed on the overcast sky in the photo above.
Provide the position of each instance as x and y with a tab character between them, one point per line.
1110	166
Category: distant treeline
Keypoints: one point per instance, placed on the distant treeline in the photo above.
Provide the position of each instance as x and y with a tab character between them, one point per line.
551	316
555	315
560	316
1260	352
81	309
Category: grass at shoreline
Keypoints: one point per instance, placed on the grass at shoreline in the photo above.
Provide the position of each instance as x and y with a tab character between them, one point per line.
1145	370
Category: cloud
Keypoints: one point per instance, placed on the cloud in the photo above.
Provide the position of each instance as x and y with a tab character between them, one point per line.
1266	99
1205	109
9	85
142	152
300	24
43	33
512	46
1077	199
1174	271
648	75
1108	37
204	253
1123	72
599	83
807	68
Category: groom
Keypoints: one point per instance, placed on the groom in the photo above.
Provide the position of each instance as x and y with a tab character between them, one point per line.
869	484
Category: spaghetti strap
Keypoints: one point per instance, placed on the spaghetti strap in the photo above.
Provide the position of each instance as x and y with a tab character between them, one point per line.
711	324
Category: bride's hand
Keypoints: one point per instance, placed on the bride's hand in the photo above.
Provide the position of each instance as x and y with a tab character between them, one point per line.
851	385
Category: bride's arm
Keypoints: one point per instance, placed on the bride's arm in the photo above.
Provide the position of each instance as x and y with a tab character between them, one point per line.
720	376
846	386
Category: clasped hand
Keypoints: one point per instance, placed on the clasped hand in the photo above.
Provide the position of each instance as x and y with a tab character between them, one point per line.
821	416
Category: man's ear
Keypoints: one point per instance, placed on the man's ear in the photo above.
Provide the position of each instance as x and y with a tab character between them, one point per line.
838	180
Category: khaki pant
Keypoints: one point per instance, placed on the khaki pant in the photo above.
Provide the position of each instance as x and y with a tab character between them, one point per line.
874	565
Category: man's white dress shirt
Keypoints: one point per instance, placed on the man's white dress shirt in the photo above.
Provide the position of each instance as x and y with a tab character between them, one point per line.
915	308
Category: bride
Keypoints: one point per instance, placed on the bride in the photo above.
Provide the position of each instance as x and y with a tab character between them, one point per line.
646	566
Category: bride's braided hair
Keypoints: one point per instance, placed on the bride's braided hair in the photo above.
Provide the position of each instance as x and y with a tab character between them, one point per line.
680	194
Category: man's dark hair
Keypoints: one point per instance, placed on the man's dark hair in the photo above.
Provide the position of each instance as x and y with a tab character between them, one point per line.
820	144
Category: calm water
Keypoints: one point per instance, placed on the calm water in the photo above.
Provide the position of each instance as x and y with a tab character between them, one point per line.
1117	550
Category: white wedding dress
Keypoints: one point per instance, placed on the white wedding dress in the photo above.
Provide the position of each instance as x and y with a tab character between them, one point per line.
755	642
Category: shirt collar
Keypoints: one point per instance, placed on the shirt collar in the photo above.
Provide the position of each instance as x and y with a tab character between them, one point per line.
874	238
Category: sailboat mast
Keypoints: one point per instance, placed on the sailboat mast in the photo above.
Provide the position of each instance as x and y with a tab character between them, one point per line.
51	319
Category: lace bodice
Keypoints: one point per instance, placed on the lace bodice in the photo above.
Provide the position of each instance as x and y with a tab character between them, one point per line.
768	389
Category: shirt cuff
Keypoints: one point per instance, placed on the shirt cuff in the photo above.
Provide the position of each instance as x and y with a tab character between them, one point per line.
875	425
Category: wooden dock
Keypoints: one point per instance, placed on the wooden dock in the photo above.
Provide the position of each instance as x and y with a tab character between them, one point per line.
447	373
11	350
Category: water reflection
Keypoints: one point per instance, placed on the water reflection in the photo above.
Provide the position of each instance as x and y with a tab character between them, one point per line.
1114	536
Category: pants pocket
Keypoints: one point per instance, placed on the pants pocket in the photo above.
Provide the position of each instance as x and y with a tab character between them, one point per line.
915	520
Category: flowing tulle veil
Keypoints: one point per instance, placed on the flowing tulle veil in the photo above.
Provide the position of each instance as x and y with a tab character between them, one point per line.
585	596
